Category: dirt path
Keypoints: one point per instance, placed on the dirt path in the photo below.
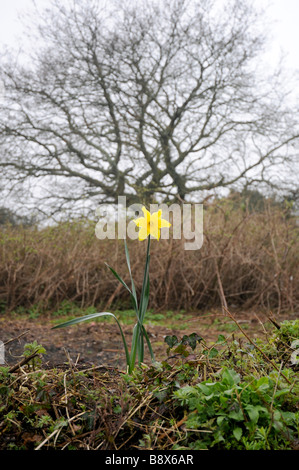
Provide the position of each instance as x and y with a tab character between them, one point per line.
100	343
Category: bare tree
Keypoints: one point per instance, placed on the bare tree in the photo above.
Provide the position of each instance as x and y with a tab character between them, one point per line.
154	101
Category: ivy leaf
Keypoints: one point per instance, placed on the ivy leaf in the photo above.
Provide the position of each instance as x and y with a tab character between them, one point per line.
191	340
171	340
181	349
221	339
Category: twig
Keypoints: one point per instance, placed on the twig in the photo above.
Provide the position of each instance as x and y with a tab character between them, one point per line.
15	339
22	362
261	323
274	322
48	438
222	296
66	404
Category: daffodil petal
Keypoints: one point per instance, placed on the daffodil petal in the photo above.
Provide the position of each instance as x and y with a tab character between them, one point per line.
154	230
143	233
155	233
141	222
154	225
155	217
164	223
146	213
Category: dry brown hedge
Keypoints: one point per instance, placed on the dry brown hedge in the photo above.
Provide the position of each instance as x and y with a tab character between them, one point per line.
255	253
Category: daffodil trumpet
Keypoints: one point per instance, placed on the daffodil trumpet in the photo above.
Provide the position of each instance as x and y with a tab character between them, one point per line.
149	227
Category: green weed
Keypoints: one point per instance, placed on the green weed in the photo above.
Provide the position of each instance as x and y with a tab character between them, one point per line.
236	413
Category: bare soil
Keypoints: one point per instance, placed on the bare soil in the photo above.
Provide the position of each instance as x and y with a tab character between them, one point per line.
100	343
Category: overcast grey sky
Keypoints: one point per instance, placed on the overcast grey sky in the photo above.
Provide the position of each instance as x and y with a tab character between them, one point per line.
285	14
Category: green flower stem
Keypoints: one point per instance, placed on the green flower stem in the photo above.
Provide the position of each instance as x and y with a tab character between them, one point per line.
143	304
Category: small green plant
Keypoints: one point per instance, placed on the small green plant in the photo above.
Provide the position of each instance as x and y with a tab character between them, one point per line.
289	329
34	349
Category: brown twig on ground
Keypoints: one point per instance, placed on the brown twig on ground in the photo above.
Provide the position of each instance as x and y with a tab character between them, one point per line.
273	321
15	339
24	361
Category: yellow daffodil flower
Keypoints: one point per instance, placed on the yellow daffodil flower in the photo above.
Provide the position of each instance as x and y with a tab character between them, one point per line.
150	224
